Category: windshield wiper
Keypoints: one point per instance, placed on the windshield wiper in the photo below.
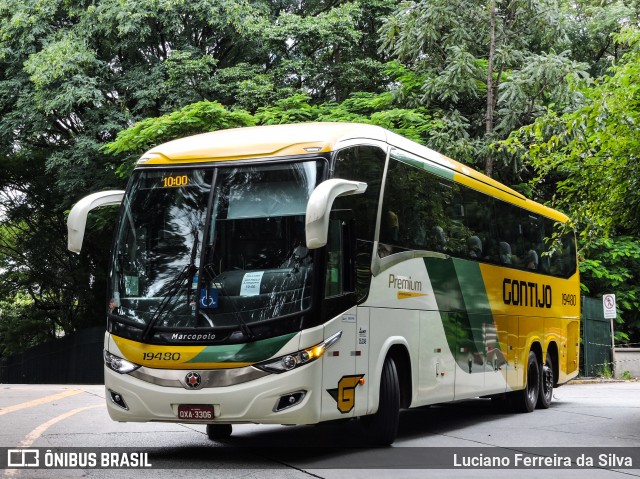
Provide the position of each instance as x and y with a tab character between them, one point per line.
174	287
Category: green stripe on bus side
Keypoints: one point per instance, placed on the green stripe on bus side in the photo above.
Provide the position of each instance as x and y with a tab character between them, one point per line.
445	284
475	298
242	353
463	304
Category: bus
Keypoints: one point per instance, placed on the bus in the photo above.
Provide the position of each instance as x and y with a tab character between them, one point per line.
295	274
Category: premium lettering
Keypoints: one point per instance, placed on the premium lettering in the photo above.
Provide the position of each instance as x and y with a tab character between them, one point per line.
402	282
526	293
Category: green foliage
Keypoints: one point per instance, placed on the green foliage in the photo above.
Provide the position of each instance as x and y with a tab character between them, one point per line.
626	375
590	36
591	155
196	118
19	329
612	265
446	44
586	162
87	87
73	74
604	371
377	109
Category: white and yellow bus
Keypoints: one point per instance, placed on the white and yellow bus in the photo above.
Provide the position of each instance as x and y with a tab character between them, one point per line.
295	274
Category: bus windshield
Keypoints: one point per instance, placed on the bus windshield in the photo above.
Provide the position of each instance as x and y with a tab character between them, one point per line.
213	247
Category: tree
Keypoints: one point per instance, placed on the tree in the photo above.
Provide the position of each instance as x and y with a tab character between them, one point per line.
490	67
592	28
587	164
612	265
591	154
378	109
74	73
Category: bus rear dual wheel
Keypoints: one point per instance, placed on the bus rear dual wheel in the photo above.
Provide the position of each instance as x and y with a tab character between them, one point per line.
538	391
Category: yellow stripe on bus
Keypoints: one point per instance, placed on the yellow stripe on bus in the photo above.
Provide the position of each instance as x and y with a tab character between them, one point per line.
172	356
156	356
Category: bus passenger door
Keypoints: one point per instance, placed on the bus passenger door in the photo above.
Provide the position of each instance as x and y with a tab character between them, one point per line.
341	382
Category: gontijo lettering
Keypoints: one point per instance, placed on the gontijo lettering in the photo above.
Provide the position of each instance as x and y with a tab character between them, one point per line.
526	293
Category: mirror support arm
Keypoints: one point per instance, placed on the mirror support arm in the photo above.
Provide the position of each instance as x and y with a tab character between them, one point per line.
77	220
319	208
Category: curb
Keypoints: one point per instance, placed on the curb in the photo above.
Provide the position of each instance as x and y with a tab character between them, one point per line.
601	381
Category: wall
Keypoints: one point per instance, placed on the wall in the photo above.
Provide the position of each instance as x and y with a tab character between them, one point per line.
627	359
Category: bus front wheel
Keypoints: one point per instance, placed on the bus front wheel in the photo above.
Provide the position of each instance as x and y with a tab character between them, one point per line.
216	432
382	427
526	399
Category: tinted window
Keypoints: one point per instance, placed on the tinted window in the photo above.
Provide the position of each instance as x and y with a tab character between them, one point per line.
361	163
424	210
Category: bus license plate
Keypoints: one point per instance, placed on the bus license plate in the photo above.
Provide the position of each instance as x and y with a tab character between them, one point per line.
195	411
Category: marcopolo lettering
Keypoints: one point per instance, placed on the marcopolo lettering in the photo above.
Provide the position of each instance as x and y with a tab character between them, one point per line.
526	293
193	337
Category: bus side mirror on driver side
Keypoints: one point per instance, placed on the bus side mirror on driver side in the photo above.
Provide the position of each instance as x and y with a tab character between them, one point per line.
319	208
77	220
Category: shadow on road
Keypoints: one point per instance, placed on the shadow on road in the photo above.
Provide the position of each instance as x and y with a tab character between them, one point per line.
339	444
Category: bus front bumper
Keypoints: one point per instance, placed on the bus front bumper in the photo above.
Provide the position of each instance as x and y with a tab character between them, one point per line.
257	401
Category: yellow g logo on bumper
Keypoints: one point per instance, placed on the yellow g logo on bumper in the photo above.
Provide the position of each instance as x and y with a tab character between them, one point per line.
345	394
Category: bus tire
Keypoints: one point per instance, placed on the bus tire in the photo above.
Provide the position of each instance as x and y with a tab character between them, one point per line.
546	384
382	427
216	432
526	399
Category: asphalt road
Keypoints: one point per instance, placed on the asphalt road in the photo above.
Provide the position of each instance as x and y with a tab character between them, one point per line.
582	416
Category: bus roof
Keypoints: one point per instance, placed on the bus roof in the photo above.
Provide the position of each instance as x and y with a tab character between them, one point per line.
274	141
261	142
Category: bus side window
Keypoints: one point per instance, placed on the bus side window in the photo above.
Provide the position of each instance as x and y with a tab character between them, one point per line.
509	231
361	163
562	251
479	221
335	263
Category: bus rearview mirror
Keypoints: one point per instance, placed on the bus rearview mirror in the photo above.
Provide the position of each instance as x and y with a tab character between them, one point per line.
319	208
77	220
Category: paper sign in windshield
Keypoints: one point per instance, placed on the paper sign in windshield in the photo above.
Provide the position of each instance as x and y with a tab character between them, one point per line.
251	284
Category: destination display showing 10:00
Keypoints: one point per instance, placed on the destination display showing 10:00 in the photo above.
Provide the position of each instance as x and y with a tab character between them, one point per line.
175	181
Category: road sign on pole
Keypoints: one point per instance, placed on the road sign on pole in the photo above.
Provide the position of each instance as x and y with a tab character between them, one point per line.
609	306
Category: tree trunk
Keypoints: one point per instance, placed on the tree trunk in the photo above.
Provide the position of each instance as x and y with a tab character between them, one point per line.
490	87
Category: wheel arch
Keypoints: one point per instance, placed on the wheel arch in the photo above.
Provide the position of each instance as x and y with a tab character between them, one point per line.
397	348
536	348
400	355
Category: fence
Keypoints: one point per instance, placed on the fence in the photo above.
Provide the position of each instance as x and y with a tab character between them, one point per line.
74	359
596	347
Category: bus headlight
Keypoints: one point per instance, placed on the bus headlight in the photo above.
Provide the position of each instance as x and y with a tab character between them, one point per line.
300	358
118	364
